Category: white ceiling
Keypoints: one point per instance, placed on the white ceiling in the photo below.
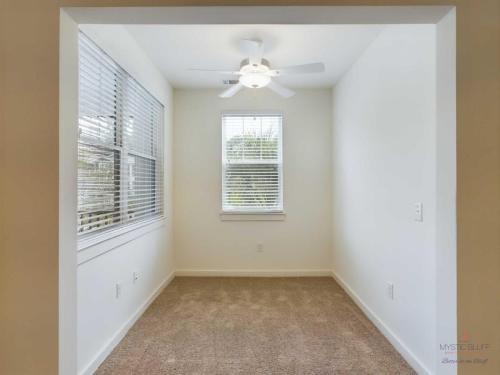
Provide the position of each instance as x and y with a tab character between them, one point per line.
176	48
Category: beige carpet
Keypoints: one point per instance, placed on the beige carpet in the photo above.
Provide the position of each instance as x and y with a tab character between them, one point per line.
254	326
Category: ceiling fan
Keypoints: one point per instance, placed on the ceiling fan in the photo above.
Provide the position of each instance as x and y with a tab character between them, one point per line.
255	71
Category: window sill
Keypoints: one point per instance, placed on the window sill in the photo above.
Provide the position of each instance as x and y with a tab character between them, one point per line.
93	247
252	216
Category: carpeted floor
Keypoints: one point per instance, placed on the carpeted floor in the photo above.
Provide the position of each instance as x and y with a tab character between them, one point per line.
254	326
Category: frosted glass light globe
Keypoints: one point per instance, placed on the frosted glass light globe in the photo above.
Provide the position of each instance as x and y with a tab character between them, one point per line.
254	80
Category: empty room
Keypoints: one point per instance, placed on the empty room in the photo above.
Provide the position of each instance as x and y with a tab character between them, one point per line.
255	198
256	190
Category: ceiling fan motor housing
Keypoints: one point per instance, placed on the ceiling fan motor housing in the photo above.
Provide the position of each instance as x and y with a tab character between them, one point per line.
246	63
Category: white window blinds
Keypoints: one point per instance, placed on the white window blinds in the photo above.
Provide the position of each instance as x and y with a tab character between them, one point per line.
120	145
252	163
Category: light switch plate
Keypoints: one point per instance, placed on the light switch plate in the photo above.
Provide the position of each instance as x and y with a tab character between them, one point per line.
118	290
390	290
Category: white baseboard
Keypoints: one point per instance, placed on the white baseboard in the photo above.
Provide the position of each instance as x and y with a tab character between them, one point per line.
255	272
120	334
398	344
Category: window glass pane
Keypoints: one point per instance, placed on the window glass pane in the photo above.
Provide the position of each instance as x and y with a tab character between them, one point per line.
252	137
270	139
98	178
141	192
252	186
141	114
233	133
98	91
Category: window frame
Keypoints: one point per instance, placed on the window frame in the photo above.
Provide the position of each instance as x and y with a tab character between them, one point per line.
258	213
141	224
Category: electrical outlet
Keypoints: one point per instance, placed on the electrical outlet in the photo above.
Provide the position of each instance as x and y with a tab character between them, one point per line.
118	290
260	248
136	276
419	211
390	290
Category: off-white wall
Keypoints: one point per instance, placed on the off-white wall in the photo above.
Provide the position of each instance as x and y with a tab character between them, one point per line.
384	150
102	318
298	245
446	193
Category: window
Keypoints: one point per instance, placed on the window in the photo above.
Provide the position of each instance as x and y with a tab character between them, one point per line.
120	145
252	163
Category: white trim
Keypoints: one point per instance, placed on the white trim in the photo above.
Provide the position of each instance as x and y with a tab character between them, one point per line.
254	272
108	234
396	342
68	136
97	246
225	162
120	334
249	112
252	216
94	239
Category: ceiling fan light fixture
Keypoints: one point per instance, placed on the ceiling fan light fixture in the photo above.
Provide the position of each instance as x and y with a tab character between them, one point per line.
255	80
255	72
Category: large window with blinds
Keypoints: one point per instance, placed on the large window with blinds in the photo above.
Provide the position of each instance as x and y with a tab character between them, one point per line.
252	163
120	146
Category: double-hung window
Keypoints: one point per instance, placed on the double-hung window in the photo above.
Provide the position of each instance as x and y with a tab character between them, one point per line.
120	146
252	163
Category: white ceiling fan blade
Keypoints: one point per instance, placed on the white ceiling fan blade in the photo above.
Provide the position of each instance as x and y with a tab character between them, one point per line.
228	72
254	49
298	69
280	90
231	91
